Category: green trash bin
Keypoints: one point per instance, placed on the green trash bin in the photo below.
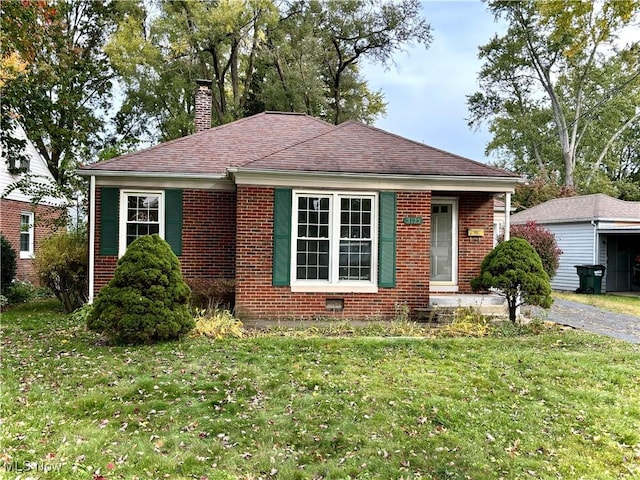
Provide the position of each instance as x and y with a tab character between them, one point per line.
590	278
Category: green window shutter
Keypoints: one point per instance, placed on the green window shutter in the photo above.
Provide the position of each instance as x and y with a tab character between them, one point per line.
109	199
282	237
387	241
173	219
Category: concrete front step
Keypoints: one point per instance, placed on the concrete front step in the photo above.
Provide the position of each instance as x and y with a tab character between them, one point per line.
441	308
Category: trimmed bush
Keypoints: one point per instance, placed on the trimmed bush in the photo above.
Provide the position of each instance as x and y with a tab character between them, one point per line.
62	263
20	292
211	293
147	299
8	266
514	270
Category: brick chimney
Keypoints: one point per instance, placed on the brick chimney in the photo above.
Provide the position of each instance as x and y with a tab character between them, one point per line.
203	105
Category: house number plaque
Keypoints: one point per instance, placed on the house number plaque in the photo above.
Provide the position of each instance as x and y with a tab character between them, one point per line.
412	220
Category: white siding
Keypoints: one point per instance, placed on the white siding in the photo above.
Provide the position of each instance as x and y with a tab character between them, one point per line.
38	169
576	240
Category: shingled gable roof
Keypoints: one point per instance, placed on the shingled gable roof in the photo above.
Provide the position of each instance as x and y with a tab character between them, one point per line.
353	147
274	141
580	209
212	151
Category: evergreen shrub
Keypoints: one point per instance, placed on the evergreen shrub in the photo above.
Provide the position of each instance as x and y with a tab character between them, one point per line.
147	299
20	292
514	270
8	266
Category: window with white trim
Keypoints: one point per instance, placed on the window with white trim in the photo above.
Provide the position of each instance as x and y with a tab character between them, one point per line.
26	234
334	239
141	213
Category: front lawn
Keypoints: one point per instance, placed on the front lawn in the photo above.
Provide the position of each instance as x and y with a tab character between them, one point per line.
562	404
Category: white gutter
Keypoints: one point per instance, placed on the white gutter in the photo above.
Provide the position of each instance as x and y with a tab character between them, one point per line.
174	175
373	181
594	259
160	180
92	234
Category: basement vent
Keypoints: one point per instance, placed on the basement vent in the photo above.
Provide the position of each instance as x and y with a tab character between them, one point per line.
335	304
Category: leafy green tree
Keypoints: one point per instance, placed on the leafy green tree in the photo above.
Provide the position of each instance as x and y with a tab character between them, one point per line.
537	191
159	52
351	30
61	90
514	270
260	54
147	299
557	92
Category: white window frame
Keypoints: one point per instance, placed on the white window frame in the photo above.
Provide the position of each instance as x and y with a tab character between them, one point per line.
334	285
31	232
448	286
122	227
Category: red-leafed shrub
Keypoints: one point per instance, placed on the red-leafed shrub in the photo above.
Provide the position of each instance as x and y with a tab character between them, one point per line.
543	242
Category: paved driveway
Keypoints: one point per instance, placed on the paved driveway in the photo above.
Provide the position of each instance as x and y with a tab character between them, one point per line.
594	319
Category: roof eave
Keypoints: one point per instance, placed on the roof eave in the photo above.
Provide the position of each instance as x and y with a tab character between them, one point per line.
309	179
159	179
576	220
88	172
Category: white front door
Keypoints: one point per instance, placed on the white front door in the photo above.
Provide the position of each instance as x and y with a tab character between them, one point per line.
444	241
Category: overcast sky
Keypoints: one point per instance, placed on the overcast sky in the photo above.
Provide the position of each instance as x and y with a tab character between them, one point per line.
426	92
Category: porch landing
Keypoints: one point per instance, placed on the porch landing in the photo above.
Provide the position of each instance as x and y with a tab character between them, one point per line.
441	306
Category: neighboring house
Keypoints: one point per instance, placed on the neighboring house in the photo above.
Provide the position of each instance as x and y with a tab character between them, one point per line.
591	230
310	219
23	223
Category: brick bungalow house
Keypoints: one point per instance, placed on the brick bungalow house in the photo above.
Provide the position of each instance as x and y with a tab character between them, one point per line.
24	223
310	219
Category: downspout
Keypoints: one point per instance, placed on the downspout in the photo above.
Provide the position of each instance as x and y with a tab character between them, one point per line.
507	216
92	234
595	243
507	230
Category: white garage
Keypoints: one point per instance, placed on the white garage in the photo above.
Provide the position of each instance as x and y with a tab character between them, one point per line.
592	230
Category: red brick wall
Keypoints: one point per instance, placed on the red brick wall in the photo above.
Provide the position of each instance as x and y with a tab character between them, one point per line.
475	211
10	227
257	298
210	233
208	238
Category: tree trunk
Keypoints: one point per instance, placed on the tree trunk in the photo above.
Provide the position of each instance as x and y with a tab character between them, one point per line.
512	303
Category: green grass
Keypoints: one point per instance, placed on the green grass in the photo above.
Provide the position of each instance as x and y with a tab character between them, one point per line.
561	404
614	303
